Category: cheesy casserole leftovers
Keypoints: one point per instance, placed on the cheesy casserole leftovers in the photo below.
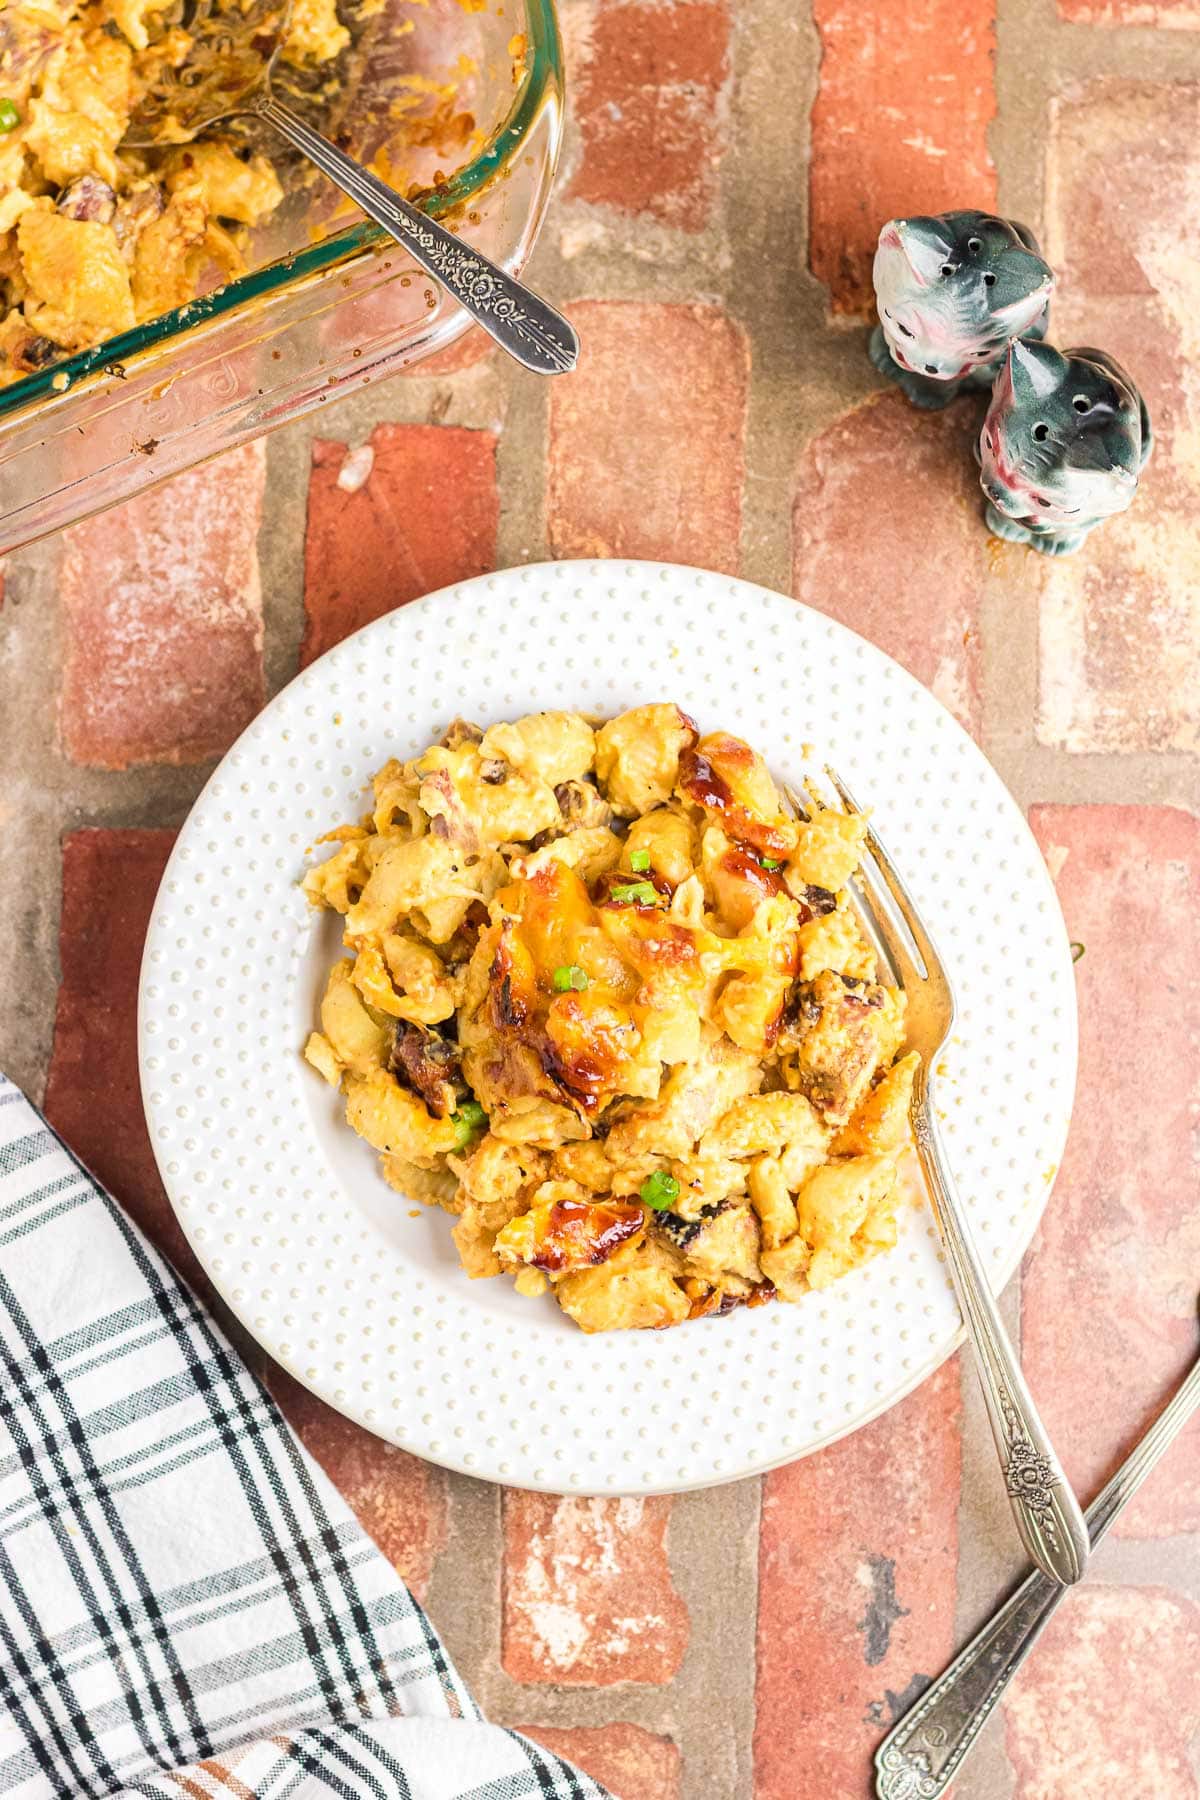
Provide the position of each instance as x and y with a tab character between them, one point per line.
608	1003
96	237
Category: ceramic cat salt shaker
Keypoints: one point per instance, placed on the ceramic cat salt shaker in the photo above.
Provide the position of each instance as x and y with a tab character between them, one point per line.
1065	438
953	291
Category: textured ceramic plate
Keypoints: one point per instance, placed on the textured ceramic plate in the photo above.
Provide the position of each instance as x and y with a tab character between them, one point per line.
283	1205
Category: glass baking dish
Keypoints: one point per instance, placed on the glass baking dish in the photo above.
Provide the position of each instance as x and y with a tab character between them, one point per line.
328	307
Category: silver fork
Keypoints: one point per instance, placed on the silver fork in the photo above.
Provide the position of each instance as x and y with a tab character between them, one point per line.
1046	1510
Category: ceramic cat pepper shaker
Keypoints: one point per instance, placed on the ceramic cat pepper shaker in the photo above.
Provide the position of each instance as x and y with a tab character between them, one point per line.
953	291
1065	438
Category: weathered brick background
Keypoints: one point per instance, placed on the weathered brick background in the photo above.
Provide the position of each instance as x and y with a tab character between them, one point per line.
727	169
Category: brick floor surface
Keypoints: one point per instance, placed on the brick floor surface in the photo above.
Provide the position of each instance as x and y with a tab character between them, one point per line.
873	1610
588	1598
162	618
410	511
885	538
725	171
899	125
648	101
645	441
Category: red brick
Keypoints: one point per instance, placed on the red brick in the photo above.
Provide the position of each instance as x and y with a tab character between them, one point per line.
899	126
588	1597
1121	165
93	1096
398	1500
1110	1701
1119	636
888	537
648	97
425	516
856	1592
647	436
163	619
1109	1294
1169	15
633	1764
1120	621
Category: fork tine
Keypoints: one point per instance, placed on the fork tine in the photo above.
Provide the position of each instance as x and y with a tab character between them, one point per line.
868	892
905	903
865	891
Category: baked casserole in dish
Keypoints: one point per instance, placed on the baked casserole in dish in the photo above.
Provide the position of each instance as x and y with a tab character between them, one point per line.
168	304
96	237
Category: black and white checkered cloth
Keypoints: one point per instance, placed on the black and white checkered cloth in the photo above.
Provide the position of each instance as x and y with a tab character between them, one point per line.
187	1608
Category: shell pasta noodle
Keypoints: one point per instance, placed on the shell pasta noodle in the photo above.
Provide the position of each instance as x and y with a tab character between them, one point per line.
608	1003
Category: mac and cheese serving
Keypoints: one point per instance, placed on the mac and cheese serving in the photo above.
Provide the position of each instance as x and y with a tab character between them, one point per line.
607	1003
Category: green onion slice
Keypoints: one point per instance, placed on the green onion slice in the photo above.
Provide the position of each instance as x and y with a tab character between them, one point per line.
466	1122
770	862
643	892
569	976
10	118
639	861
659	1191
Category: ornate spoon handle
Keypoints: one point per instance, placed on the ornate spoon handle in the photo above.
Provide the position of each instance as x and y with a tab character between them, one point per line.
1046	1510
521	323
922	1755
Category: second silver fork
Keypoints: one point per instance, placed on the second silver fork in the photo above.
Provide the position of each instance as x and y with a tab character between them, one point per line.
1047	1513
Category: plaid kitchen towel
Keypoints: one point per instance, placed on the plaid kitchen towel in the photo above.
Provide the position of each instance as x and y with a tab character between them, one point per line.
187	1608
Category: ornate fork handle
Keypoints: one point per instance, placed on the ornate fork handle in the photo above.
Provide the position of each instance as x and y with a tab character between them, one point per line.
1045	1508
922	1755
521	323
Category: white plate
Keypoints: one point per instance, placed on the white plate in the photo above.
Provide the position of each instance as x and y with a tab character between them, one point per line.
284	1206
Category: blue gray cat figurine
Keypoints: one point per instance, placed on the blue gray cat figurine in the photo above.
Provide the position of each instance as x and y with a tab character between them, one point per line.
1065	438
953	292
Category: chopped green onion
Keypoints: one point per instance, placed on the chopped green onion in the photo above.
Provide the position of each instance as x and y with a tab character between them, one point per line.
568	976
1078	950
10	118
639	861
659	1190
466	1122
643	892
770	862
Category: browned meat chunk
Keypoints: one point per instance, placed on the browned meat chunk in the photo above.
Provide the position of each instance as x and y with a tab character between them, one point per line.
840	1030
137	210
582	806
427	1064
721	1246
88	198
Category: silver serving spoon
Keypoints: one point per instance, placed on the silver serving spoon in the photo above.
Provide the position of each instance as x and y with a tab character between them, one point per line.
228	71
